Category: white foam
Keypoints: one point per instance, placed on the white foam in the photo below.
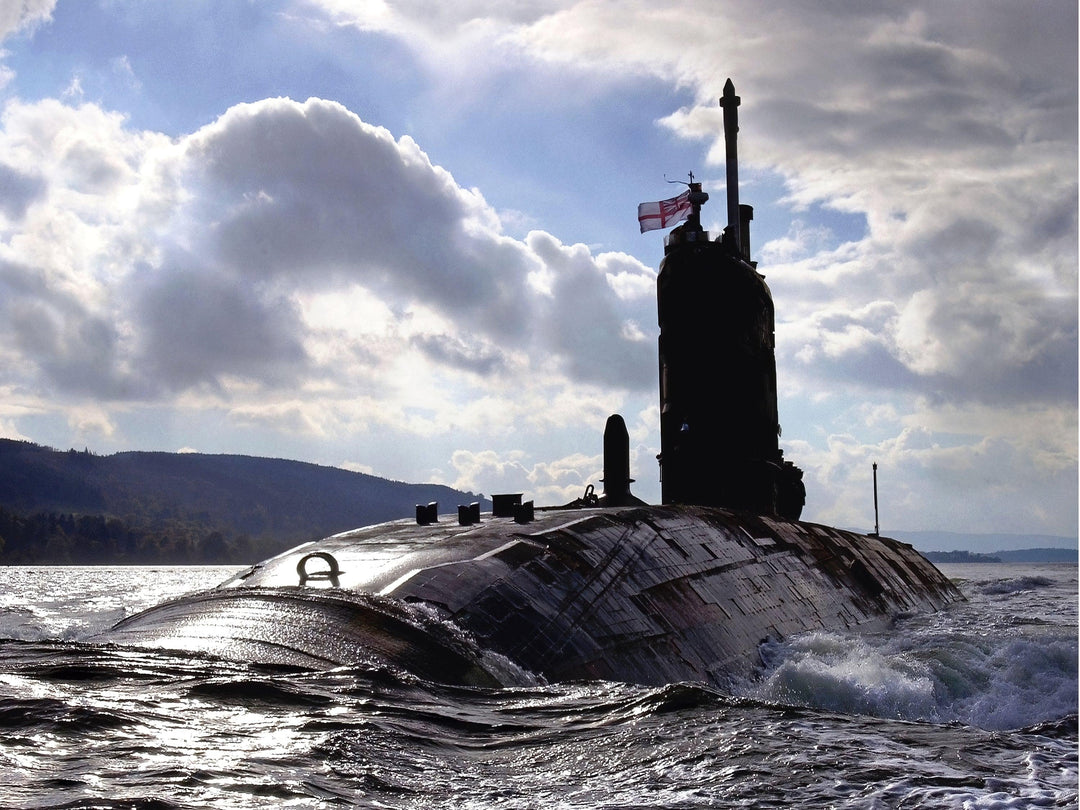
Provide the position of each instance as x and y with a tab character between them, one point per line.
993	683
501	668
846	674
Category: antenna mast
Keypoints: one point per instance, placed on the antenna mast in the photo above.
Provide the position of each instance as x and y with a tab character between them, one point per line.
877	528
730	104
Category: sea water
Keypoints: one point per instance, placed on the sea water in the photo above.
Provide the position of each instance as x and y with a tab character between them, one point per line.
973	707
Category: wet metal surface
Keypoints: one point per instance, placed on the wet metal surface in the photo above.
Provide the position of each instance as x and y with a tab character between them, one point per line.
647	595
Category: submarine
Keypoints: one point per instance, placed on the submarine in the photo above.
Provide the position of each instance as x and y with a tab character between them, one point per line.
605	587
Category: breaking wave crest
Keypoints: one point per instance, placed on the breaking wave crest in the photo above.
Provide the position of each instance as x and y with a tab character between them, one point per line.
1003	660
996	686
1009	585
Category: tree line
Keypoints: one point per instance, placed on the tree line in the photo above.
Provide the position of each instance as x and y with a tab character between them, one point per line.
69	539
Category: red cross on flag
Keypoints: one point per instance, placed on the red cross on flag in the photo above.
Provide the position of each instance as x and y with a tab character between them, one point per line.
653	215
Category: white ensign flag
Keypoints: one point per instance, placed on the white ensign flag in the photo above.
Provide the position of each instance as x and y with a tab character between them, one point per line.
653	215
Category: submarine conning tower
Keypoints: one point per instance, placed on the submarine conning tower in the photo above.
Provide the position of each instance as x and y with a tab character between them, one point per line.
719	425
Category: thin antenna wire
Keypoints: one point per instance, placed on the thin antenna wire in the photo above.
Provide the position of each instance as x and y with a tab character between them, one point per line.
680	182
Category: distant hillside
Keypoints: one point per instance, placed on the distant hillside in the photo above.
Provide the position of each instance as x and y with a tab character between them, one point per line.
1039	555
75	506
960	557
994	544
1024	555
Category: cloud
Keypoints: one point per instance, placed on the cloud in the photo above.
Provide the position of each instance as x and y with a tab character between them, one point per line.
975	484
558	481
23	15
310	196
583	318
456	353
290	268
195	326
140	267
21	188
956	140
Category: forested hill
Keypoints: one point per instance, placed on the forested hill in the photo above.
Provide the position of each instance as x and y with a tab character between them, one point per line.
139	507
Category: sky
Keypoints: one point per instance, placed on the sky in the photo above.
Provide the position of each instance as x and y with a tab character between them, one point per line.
400	237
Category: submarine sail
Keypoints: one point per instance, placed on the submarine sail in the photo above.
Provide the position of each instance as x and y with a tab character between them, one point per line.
719	423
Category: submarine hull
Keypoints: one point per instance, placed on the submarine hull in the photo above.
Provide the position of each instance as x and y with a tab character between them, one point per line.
299	628
649	595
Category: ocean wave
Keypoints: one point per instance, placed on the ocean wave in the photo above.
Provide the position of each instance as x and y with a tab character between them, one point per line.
40	715
1008	585
995	684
